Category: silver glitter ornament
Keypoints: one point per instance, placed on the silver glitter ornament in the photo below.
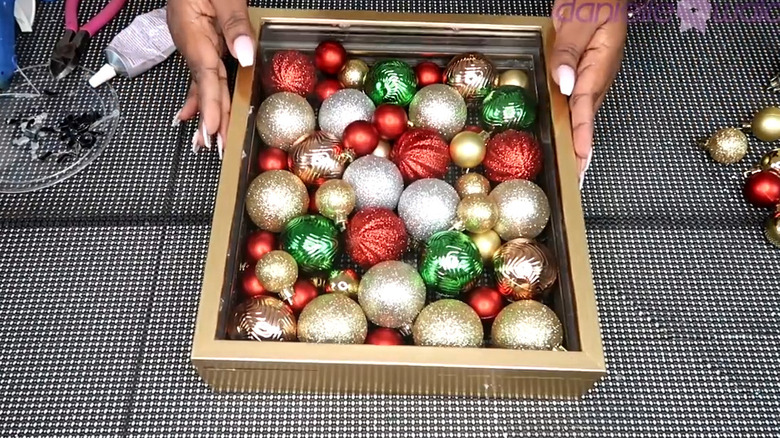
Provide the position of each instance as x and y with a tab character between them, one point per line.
344	107
283	118
274	198
377	182
448	323
523	209
439	107
527	325
332	319
428	206
392	294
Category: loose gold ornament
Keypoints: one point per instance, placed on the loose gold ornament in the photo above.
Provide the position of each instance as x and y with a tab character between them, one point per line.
476	214
514	77
332	319
344	282
277	272
487	243
274	198
263	318
766	124
383	149
524	269
472	184
727	145
527	325
353	74
335	200
467	149
772	229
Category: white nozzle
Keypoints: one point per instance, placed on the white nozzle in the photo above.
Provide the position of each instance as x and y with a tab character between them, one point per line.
24	11
105	74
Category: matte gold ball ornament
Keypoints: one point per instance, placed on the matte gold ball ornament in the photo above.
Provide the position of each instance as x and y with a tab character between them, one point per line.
468	149
448	323
726	146
344	281
514	77
335	200
487	243
353	74
263	318
274	198
527	325
472	184
766	124
476	214
277	272
332	319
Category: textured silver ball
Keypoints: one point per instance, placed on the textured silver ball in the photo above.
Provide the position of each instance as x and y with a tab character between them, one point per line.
392	294
344	107
448	323
439	107
527	325
332	319
428	206
283	118
523	209
377	182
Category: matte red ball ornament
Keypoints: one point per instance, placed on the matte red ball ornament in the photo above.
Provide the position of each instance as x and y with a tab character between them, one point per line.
487	302
391	121
250	285
271	159
762	189
473	128
360	136
384	336
259	244
427	73
513	155
376	235
304	292
325	88
330	56
290	70
421	153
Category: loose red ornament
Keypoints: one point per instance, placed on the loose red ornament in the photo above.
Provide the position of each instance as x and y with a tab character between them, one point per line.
250	285
259	244
762	189
390	120
304	292
421	153
513	155
360	136
487	302
384	336
330	56
272	159
325	88
290	70
427	73
376	235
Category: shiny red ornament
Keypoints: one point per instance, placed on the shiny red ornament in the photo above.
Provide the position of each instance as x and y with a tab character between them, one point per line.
427	73
271	159
421	153
513	155
312	203
762	189
250	285
384	336
390	121
474	128
330	56
304	292
259	244
290	70
361	137
376	235
325	88
487	302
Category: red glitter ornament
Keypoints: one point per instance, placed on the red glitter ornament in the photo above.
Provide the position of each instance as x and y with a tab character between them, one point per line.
361	137
272	159
427	73
376	235
513	155
421	153
259	244
304	292
487	302
384	336
330	56
250	285
325	88
762	189
390	121
290	70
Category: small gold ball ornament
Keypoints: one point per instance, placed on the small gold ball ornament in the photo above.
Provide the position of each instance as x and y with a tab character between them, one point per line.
344	282
476	213
527	325
514	77
274	198
468	149
335	199
487	243
448	323
772	229
383	149
771	161
353	74
727	145
332	319
277	272
472	184
766	124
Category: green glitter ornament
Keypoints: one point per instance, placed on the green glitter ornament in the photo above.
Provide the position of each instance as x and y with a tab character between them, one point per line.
450	262
313	241
391	81
508	107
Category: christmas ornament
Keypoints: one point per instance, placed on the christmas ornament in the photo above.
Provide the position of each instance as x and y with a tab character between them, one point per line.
487	244
283	118
518	78
383	150
330	57
250	284
523	209
318	157
277	272
343	108
390	121
313	241
345	281
769	161
475	129
476	214
471	74
326	88
384	336
375	235
275	197
487	302
421	153
772	229
303	292
762	189
332	319
259	244
361	137
513	155
766	124
508	107
271	159
450	262
313	202
427	206
726	146
467	149
377	182
472	184
392	294
448	323
524	269
527	325
335	200
438	107
391	81
353	74
427	73
263	318
292	71
774	83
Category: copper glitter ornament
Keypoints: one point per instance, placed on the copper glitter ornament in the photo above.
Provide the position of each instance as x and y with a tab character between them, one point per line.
283	118
345	282
318	157
472	184
263	318
335	200
332	319
726	146
524	269
277	272
527	325
471	74
523	209
274	198
448	323
353	74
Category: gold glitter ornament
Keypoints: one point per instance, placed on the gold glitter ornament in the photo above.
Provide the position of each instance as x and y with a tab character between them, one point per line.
345	282
353	74
487	244
263	318
391	294
515	77
471	74
726	146
524	269
283	118
527	325
468	149
438	107
332	319
476	214
448	323
772	229
318	157
274	198
472	184
335	200
277	272
523	209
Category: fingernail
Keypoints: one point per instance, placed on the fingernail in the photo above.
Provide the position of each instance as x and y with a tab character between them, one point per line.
585	169
195	145
206	138
244	50
176	120
220	146
566	79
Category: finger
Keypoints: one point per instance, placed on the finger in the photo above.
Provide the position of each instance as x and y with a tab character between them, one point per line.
225	118
581	105
233	19
190	107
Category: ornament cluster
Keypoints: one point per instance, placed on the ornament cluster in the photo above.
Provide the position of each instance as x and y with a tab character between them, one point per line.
346	193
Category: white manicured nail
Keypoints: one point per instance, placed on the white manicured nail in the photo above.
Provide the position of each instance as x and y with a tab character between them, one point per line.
220	146
176	120
206	138
195	145
566	79
244	50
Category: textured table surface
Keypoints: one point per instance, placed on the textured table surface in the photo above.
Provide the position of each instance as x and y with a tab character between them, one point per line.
100	275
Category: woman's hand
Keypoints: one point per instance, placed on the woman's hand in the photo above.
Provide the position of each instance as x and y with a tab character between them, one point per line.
201	29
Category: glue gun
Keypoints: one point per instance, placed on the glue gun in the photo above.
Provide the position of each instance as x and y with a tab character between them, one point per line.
7	43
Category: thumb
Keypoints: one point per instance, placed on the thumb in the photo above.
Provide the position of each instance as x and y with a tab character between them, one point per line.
572	38
233	19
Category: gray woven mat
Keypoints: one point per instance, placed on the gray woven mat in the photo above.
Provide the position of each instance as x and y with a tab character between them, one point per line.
100	275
